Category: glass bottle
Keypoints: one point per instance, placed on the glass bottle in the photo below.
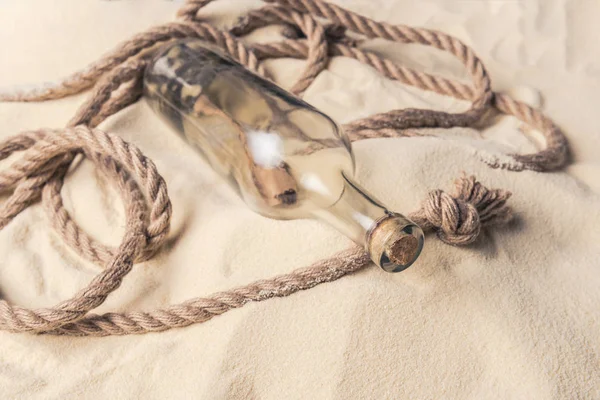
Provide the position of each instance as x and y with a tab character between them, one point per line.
285	158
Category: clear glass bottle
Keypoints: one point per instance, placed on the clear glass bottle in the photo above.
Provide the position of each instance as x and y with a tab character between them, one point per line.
286	159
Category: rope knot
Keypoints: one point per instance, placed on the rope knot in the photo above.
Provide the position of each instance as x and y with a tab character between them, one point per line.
457	222
459	217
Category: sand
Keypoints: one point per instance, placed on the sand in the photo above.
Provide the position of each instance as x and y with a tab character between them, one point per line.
515	316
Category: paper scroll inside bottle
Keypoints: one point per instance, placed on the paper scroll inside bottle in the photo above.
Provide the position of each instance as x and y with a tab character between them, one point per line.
286	159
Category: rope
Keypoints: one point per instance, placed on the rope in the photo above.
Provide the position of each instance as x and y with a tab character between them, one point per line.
457	217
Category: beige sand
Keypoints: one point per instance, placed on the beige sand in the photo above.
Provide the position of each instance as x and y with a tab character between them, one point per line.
516	316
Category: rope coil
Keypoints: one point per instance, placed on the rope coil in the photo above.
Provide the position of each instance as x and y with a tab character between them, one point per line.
457	217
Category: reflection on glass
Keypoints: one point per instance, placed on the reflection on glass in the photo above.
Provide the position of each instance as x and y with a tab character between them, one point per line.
285	158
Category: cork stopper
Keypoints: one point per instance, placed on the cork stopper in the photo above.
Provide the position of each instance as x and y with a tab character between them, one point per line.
394	243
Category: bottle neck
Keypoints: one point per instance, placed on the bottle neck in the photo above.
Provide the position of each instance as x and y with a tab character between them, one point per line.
392	240
355	212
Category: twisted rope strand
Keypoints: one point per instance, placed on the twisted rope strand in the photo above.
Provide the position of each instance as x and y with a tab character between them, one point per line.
134	47
554	155
457	220
457	217
406	118
317	59
299	49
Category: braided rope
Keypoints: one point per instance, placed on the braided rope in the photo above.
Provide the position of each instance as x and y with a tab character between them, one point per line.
457	217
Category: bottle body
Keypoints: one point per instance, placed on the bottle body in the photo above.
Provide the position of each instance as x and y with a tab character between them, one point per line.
285	158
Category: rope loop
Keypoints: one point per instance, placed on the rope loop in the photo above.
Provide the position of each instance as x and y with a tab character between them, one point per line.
315	30
138	181
38	171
